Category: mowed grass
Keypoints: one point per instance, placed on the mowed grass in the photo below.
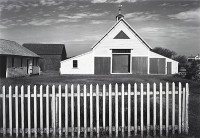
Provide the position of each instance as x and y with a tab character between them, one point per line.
56	79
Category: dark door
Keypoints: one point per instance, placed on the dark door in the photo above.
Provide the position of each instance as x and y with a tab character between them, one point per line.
121	63
102	65
157	66
169	67
2	66
139	65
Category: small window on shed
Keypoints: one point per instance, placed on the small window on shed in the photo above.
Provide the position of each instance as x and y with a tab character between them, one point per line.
75	64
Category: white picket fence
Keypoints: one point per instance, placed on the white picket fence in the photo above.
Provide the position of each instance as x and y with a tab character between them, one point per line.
137	116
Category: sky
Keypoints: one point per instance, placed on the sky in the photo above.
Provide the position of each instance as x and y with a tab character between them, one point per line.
79	24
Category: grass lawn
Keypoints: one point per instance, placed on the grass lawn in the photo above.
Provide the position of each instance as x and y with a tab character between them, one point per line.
56	79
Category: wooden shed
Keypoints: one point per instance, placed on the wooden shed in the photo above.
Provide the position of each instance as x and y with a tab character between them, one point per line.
50	55
120	51
16	60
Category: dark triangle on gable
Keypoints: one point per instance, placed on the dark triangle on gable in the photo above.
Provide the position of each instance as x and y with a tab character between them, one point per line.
121	35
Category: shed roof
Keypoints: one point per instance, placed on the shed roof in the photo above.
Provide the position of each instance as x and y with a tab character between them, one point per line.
45	49
8	47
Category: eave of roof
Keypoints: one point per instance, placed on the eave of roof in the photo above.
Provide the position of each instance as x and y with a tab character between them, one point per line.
128	27
8	47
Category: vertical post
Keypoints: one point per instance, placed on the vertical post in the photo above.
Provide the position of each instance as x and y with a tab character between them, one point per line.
110	110
122	100
186	110
104	107
129	110
29	111
148	109
41	111
183	111
66	110
10	109
116	110
54	110
35	111
97	109
60	110
22	110
91	111
161	112
179	107
16	111
4	110
135	109
72	110
141	110
85	110
78	111
47	110
154	109
167	109
173	108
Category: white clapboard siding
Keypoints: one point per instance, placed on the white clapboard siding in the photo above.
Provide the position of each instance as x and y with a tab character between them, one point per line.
143	99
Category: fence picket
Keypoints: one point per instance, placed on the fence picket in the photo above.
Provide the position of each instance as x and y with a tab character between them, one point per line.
97	109
41	111
91	110
35	111
47	110
183	111
161	112
135	109
78	111
4	110
29	111
154	109
167	109
173	108
141	110
148	109
16	111
10	109
104	107
60	110
72	110
129	110
22	110
110	110
116	110
186	108
66	110
85	110
179	107
54	110
122	101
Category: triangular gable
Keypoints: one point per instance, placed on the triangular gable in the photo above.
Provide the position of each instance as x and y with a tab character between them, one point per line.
121	35
129	28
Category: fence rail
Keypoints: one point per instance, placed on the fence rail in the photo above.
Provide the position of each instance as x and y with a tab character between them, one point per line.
69	110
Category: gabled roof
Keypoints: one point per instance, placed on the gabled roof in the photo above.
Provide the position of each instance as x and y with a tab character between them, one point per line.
8	47
46	49
122	20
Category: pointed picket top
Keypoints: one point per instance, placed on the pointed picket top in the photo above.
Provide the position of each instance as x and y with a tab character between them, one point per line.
66	87
59	87
41	87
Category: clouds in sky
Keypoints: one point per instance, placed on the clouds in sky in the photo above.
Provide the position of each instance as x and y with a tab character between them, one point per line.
188	16
167	23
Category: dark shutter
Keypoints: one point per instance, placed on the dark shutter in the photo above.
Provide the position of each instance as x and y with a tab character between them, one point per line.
139	65
157	65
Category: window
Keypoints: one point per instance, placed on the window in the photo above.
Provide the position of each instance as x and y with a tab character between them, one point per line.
121	51
75	63
13	61
121	35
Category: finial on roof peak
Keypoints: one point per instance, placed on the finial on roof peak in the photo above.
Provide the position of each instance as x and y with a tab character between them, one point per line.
119	16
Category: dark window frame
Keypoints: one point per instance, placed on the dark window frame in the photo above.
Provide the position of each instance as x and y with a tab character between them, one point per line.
121	51
75	63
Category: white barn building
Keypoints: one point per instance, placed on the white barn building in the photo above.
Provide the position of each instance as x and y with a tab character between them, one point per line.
120	51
